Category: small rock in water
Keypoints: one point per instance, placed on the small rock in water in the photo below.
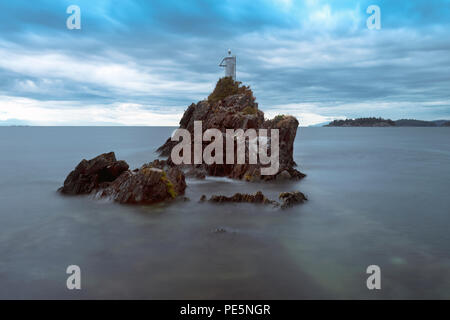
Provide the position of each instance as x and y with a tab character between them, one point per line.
90	175
220	230
258	197
291	198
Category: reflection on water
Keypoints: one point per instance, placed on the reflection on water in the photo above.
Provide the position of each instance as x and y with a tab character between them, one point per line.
376	196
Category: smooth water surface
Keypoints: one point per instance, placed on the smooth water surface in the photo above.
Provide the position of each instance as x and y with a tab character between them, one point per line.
376	196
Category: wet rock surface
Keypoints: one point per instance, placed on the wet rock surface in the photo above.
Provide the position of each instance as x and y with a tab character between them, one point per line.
106	177
90	175
288	199
258	197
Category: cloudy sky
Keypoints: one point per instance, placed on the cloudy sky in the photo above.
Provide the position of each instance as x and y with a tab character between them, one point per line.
143	62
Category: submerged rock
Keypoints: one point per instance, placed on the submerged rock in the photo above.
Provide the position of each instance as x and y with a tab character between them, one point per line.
108	178
291	198
220	230
258	197
288	199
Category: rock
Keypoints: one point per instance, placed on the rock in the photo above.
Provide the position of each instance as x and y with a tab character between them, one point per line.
284	175
291	198
287	126
92	174
109	178
238	110
295	174
258	197
148	185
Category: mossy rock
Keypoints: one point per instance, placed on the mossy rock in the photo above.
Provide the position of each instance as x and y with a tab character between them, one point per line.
279	117
249	110
169	185
227	87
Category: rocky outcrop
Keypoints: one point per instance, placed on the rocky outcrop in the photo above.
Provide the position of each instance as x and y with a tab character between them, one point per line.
288	199
230	106
238	111
145	186
258	197
105	177
93	174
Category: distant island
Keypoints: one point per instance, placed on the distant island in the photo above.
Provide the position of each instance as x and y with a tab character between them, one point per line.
380	122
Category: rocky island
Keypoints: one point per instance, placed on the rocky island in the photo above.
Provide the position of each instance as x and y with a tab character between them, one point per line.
380	122
230	106
362	122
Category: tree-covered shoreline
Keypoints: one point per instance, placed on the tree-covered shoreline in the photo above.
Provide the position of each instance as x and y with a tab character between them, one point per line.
380	122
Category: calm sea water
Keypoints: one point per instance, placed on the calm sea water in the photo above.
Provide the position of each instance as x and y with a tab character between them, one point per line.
376	196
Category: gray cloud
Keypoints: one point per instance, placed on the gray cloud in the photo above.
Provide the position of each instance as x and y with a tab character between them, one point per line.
163	56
